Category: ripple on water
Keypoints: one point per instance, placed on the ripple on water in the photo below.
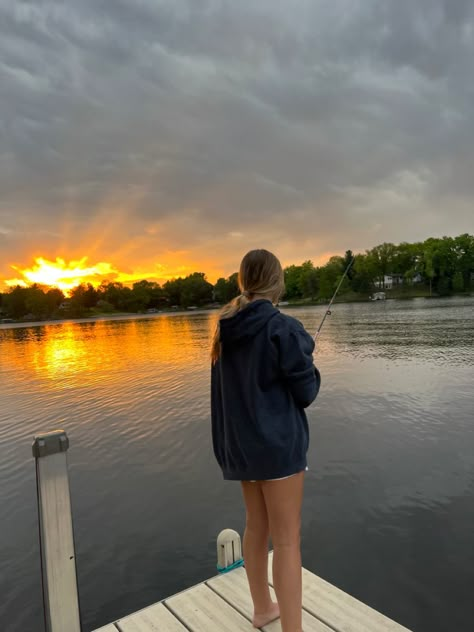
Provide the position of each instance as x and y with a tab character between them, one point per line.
389	494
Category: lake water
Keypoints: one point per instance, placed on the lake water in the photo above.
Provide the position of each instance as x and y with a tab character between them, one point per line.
389	506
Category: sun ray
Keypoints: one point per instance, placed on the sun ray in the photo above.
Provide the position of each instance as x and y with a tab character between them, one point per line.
60	274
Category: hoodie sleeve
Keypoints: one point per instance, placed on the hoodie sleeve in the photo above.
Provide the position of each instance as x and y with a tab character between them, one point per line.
300	375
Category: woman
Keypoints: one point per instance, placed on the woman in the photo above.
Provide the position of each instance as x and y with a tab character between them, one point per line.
263	377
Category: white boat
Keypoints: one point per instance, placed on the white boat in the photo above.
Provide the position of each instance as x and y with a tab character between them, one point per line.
378	296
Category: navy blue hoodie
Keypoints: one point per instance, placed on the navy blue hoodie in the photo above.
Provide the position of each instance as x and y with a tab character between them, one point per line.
260	386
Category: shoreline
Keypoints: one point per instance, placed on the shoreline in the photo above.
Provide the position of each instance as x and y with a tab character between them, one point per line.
99	318
366	299
204	310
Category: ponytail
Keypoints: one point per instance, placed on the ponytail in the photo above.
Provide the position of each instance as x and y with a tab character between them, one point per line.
236	305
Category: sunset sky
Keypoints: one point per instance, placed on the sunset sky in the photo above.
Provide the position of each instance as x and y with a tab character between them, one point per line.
153	138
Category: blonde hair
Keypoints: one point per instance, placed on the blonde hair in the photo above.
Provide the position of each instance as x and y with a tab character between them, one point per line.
260	274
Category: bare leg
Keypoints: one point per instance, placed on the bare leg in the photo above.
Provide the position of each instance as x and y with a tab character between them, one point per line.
283	501
256	539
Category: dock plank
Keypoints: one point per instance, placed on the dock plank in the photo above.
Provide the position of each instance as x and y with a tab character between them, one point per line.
156	618
224	603
233	587
339	610
202	610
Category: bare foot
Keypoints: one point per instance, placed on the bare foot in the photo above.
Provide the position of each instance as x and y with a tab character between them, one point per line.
259	620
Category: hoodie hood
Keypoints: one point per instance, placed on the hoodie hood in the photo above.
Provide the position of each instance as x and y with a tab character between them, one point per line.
246	324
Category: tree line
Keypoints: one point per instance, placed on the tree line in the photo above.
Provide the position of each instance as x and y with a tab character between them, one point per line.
438	266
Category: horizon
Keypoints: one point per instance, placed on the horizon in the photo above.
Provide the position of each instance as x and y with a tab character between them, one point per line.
68	275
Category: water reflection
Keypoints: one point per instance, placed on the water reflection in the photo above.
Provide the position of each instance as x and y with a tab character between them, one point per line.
423	330
71	355
389	494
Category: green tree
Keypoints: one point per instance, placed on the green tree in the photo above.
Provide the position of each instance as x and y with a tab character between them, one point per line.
458	281
348	257
91	296
82	298
173	291
329	277
308	280
220	290
226	289
113	293
145	294
35	302
406	260
443	286
440	263
196	290
105	306
128	301
464	253
14	302
157	296
54	298
428	268
233	289
292	276
362	279
380	261
77	303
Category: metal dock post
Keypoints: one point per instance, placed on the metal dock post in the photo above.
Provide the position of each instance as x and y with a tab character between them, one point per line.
58	559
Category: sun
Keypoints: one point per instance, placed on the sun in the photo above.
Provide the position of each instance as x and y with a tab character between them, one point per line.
66	275
60	274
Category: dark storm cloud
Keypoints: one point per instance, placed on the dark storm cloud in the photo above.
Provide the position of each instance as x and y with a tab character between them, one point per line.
347	118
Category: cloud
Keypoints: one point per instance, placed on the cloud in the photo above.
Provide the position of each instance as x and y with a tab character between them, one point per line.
133	129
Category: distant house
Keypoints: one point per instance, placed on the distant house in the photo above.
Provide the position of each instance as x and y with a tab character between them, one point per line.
65	305
386	283
389	281
417	278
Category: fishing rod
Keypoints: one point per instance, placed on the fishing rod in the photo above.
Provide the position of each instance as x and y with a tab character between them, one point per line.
328	311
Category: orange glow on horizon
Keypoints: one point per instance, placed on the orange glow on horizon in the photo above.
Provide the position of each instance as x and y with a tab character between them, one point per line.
60	274
66	276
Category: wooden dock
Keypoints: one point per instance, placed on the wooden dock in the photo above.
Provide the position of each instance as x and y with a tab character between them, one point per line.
223	604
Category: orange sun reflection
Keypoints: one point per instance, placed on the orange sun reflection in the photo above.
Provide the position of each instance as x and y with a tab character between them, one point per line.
111	356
